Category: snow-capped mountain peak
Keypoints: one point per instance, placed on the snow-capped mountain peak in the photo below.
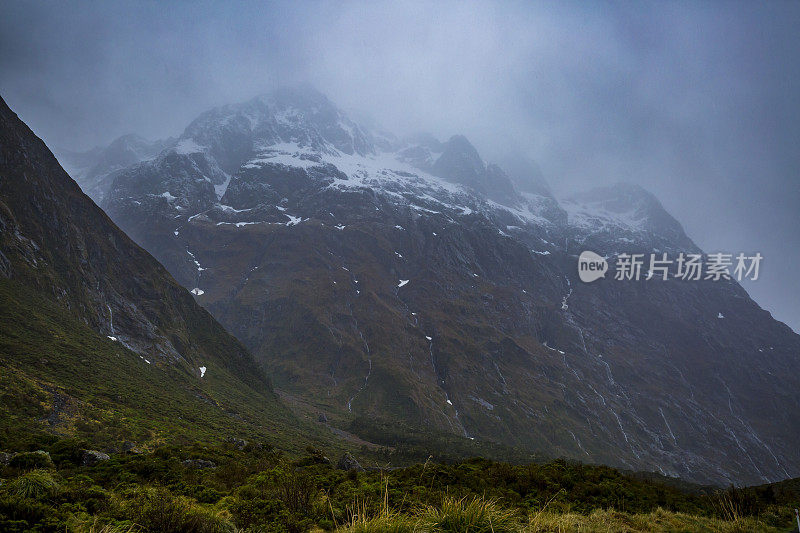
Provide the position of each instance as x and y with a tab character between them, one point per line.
625	213
284	217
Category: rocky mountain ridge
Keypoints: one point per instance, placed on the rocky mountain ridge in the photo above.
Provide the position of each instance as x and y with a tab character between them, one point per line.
93	325
409	282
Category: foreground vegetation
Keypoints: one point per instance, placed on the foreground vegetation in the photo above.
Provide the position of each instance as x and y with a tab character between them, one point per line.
252	487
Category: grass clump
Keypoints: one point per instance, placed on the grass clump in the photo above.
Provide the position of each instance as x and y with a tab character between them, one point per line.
36	485
387	521
384	520
95	525
476	515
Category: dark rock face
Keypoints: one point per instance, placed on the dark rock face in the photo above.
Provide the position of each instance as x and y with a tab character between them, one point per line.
460	163
54	238
92	457
348	462
418	286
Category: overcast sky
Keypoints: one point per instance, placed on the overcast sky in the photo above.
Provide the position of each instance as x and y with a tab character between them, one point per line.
697	102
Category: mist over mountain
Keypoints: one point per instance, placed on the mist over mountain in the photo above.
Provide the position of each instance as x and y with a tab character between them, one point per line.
694	103
356	266
411	282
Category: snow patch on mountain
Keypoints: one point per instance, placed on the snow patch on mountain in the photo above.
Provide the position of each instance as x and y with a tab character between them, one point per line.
188	146
284	153
597	216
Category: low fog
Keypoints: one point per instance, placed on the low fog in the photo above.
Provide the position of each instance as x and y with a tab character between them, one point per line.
697	102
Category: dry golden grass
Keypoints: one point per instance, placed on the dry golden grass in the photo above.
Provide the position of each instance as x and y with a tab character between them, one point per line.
471	516
601	521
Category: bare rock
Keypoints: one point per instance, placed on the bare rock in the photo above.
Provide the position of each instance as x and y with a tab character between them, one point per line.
348	462
93	457
199	463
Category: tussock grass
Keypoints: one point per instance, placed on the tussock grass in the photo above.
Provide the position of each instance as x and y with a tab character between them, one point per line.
385	522
478	515
96	526
609	521
36	484
475	515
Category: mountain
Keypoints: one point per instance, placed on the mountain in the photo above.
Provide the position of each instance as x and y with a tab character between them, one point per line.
460	163
97	339
95	169
407	287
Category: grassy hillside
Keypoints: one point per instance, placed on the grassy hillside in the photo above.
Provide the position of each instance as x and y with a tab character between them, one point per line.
59	377
66	389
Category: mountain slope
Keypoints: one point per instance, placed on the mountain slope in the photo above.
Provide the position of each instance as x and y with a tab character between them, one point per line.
96	169
96	330
410	284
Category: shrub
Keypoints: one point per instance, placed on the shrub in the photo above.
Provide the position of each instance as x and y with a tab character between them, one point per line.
68	451
31	460
208	495
294	489
19	513
157	510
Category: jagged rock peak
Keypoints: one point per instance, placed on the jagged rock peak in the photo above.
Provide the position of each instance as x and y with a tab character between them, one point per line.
461	163
301	117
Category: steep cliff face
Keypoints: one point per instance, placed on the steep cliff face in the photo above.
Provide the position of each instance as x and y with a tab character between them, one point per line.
86	310
409	282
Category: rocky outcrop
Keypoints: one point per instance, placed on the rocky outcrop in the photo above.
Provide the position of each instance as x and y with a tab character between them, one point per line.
93	457
199	463
348	462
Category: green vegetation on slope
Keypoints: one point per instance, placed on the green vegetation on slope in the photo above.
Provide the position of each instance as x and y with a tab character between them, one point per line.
224	488
59	377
